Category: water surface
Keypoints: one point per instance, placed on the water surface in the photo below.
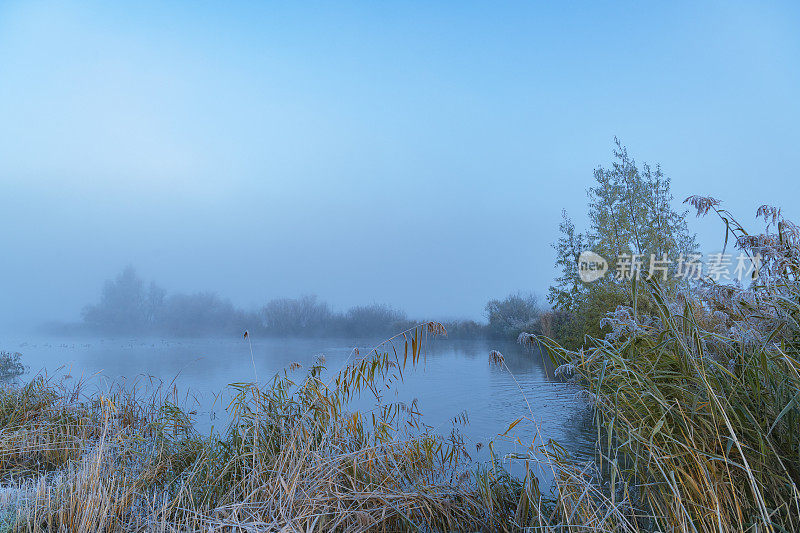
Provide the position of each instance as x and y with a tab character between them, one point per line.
455	378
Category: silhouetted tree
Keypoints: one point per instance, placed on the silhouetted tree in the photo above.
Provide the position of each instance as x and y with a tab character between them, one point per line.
122	307
374	319
296	316
153	303
199	314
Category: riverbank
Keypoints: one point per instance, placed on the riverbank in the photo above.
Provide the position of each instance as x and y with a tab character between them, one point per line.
697	414
293	457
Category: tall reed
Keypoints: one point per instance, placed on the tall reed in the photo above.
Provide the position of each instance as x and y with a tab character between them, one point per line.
700	399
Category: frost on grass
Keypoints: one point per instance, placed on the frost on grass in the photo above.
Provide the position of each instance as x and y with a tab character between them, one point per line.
11	366
565	371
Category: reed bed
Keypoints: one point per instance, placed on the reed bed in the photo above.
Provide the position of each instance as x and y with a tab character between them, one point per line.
294	457
698	419
698	399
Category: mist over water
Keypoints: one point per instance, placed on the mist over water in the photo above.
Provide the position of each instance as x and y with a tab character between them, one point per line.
454	379
197	197
265	151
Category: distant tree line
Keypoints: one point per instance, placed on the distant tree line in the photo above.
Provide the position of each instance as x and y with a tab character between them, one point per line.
129	306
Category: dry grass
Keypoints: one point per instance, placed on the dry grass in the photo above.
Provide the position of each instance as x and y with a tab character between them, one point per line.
294	458
699	401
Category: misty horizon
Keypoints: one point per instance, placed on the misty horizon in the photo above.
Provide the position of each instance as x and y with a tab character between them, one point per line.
301	151
399	266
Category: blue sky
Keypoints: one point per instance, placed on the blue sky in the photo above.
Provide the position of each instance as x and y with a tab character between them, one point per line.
417	154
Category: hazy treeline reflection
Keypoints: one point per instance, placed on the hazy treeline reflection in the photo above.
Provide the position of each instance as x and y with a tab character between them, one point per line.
129	306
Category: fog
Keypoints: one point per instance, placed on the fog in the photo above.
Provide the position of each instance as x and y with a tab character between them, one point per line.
416	157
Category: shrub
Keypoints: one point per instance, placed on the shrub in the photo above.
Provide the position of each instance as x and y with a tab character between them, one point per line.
296	316
513	315
11	366
374	319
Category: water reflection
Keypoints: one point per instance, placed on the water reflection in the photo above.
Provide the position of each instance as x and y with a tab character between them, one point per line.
454	379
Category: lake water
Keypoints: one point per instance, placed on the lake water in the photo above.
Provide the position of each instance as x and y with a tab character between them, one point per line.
454	378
